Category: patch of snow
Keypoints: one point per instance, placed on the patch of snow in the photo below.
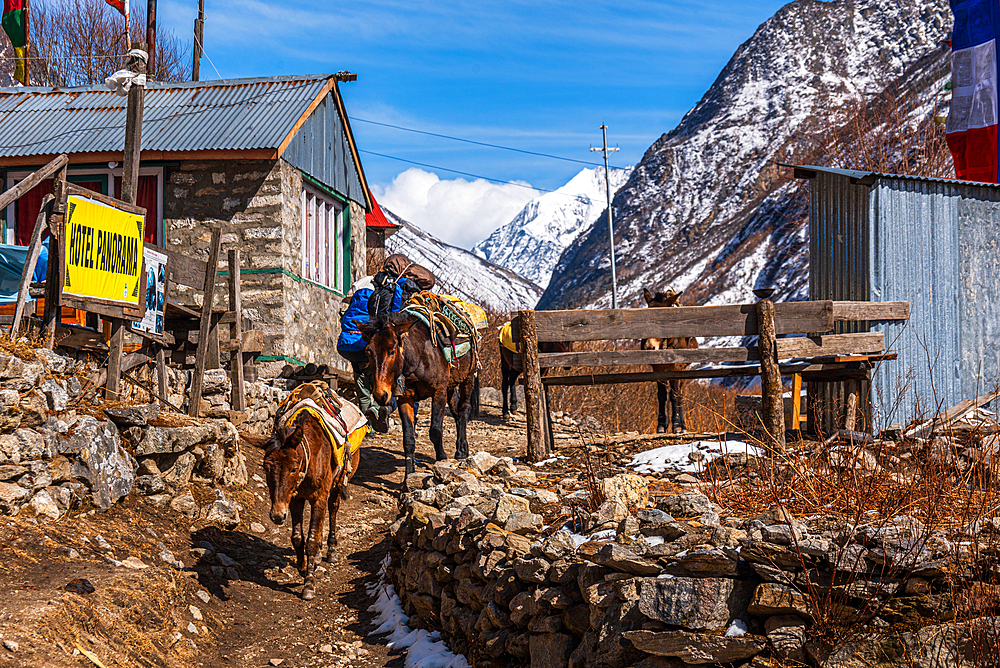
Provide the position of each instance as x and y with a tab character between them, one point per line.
423	649
653	541
736	629
677	456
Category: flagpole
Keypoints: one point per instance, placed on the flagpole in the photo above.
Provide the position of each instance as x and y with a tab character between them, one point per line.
128	36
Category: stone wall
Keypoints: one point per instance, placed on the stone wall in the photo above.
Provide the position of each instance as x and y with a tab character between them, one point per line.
675	584
56	455
258	205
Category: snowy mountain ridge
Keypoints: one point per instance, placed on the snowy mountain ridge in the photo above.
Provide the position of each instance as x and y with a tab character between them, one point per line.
532	242
708	210
462	273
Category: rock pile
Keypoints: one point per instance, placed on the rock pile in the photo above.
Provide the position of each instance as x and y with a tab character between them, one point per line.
55	454
671	585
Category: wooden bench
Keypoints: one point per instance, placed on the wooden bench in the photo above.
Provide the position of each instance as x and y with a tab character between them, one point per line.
819	356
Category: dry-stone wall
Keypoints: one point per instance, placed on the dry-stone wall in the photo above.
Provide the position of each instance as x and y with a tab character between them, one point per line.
55	454
666	586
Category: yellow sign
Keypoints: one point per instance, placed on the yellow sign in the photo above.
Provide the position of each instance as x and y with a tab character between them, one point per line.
103	251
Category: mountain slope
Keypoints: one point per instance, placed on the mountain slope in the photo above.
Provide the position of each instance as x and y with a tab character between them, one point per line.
530	244
708	207
462	273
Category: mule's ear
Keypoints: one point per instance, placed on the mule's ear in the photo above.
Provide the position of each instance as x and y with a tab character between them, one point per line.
294	437
648	296
403	327
674	298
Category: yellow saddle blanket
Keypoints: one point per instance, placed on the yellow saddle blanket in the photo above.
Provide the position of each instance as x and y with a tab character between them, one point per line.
506	336
341	420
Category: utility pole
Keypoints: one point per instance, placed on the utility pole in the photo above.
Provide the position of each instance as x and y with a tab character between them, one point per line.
611	229
199	28
151	38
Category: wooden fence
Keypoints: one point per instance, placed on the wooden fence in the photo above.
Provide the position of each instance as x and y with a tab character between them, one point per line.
818	356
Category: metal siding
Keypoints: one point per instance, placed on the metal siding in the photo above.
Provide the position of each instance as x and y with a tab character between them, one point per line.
190	116
321	150
934	243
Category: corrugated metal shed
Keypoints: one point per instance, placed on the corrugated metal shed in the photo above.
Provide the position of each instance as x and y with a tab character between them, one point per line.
932	242
234	114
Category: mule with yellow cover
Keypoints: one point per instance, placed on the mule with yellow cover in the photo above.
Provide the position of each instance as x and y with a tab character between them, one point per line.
311	455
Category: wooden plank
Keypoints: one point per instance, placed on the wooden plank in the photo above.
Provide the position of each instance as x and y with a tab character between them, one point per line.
187	271
704	321
849	370
957	412
534	402
103	307
850	419
79	191
236	331
29	182
208	283
34	249
801	346
213	360
871	311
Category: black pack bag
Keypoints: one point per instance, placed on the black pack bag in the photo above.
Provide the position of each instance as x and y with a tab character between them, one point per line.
390	294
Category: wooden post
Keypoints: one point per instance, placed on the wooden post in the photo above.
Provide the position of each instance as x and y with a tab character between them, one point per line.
161	354
547	412
771	388
236	331
207	304
130	182
796	400
199	29
534	402
34	248
54	274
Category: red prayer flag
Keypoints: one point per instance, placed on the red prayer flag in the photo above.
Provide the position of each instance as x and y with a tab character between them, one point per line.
119	5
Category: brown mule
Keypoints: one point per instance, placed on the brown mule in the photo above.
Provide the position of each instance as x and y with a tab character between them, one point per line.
667	299
509	375
300	467
401	345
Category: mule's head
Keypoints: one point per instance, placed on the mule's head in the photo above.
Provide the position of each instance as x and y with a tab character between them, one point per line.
666	298
283	463
385	339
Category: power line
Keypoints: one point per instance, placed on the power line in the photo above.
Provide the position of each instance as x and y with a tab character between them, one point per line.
474	176
478	143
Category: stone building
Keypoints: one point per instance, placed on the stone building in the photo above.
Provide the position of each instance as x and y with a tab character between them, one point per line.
273	161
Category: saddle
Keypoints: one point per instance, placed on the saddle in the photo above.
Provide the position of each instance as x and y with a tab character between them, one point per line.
454	326
342	421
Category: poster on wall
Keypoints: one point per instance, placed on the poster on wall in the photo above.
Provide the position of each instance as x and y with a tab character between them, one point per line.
103	258
156	282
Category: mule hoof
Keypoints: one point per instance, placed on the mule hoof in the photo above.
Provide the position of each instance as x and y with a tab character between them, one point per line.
679	430
332	556
308	594
660	429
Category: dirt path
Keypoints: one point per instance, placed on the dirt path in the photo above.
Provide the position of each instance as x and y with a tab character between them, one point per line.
253	615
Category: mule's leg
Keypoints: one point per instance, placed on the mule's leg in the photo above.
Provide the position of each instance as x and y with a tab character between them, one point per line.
317	517
334	506
514	375
465	394
677	407
298	541
505	387
661	409
406	418
438	404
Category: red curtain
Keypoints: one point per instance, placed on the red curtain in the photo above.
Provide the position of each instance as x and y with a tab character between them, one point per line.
30	204
146	197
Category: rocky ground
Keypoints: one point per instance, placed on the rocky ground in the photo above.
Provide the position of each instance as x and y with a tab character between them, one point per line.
236	600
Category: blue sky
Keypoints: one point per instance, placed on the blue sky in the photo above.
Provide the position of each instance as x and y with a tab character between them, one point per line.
539	76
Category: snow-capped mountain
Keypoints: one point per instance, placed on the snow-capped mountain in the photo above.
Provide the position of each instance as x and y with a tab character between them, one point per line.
462	273
531	244
708	209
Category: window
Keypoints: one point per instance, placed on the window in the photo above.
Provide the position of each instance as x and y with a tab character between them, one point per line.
324	236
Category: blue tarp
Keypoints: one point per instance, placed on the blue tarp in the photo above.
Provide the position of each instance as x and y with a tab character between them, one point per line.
12	259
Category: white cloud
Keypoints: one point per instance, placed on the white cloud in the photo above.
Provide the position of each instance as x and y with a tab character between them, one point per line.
461	212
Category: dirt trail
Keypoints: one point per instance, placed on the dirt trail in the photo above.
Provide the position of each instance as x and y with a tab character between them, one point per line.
150	616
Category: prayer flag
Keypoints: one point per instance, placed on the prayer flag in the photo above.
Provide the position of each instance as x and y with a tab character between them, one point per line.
119	5
15	24
972	118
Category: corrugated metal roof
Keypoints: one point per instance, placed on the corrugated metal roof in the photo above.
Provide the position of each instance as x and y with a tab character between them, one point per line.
866	178
234	114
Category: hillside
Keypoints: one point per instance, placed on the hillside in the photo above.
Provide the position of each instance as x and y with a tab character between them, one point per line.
530	244
707	209
462	273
